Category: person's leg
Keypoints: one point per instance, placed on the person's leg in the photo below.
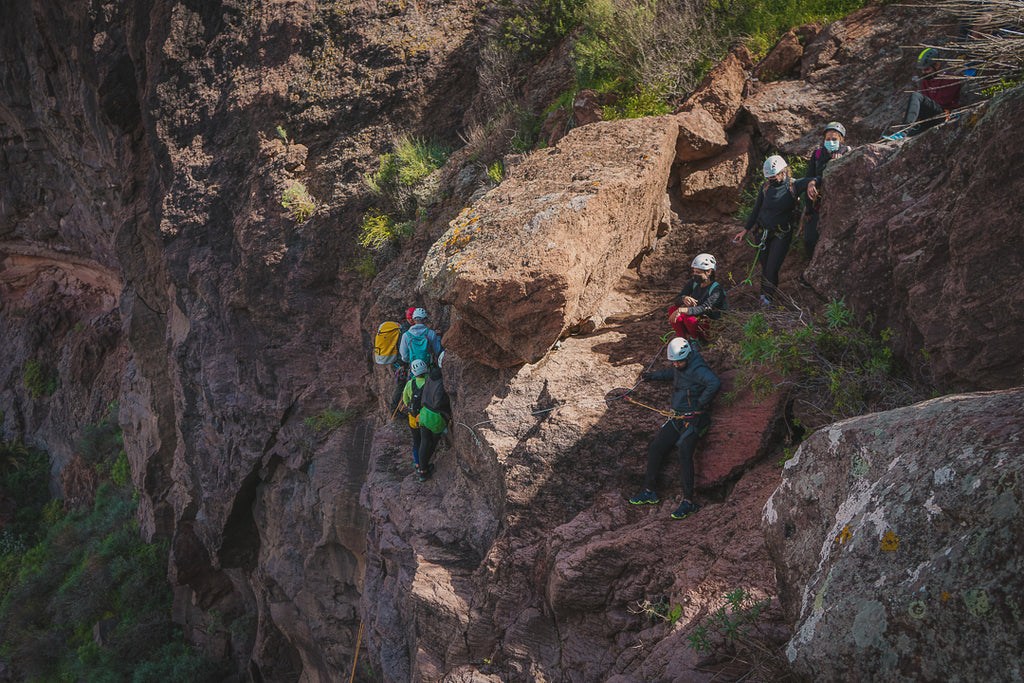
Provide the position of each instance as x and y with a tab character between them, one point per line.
811	233
913	111
659	448
775	251
932	114
676	323
686	448
415	444
428	442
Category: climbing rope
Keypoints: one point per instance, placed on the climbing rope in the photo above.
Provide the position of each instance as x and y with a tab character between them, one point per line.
359	641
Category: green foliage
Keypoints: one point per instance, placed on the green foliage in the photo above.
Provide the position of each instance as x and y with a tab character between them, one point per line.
40	379
764	21
329	419
363	266
731	623
281	133
412	160
299	203
496	171
661	610
645	101
842	369
379	230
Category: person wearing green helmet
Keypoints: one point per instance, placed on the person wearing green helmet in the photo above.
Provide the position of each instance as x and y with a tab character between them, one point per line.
939	93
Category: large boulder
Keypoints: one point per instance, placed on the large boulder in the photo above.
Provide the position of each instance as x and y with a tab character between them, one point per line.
718	181
925	237
721	91
700	136
537	254
897	542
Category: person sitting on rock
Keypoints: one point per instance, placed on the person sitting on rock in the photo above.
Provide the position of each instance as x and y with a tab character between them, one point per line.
435	413
694	385
832	147
412	399
939	93
774	214
701	301
419	341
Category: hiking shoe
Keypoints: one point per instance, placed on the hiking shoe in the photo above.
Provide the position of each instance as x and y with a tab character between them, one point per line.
645	497
425	472
685	509
896	137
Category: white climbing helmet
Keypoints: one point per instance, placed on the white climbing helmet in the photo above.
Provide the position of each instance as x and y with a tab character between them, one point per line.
678	349
440	360
704	262
419	367
419	314
837	127
774	165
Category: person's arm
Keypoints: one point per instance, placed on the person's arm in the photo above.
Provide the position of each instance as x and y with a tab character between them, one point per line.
403	348
662	375
711	302
686	291
711	386
752	219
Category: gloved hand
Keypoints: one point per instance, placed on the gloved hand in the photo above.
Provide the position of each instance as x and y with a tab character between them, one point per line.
645	375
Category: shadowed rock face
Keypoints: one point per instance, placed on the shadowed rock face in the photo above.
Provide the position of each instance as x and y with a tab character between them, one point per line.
897	537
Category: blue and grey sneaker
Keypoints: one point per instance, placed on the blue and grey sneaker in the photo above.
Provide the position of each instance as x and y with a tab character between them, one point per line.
685	509
644	497
425	472
895	137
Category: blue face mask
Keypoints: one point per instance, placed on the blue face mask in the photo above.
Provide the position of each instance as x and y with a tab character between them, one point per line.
831	145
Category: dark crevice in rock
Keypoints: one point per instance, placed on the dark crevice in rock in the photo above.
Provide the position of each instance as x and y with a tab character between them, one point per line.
241	546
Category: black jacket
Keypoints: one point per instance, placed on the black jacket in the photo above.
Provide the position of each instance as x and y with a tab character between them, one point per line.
693	387
710	299
816	169
776	205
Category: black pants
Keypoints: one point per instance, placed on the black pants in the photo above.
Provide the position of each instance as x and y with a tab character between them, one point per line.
665	440
922	107
811	232
776	247
416	441
428	443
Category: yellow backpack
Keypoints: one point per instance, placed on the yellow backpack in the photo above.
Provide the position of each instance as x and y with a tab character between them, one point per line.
385	344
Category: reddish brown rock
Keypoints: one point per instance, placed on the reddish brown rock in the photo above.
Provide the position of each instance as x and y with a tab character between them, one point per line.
916	236
721	91
783	58
571	226
700	136
586	107
717	182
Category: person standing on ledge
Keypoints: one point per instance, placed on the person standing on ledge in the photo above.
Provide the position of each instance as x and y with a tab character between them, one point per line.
694	386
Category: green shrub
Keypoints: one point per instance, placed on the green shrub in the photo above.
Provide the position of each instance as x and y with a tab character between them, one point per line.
40	379
329	419
764	21
380	230
733	621
299	203
496	171
644	102
363	266
412	160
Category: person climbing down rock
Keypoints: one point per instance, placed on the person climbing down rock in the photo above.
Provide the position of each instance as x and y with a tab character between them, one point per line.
701	301
435	413
412	399
939	93
832	147
774	215
694	385
419	341
401	368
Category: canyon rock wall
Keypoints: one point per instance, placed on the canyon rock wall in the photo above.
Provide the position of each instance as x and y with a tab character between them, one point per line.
145	258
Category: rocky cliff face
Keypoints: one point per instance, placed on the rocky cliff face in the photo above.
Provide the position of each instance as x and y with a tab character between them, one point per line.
146	259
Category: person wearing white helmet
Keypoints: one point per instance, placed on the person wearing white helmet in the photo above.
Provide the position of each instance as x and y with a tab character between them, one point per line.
412	397
701	301
419	341
832	147
775	214
694	386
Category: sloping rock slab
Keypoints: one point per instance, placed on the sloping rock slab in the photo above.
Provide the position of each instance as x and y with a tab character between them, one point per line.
897	541
740	433
538	253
